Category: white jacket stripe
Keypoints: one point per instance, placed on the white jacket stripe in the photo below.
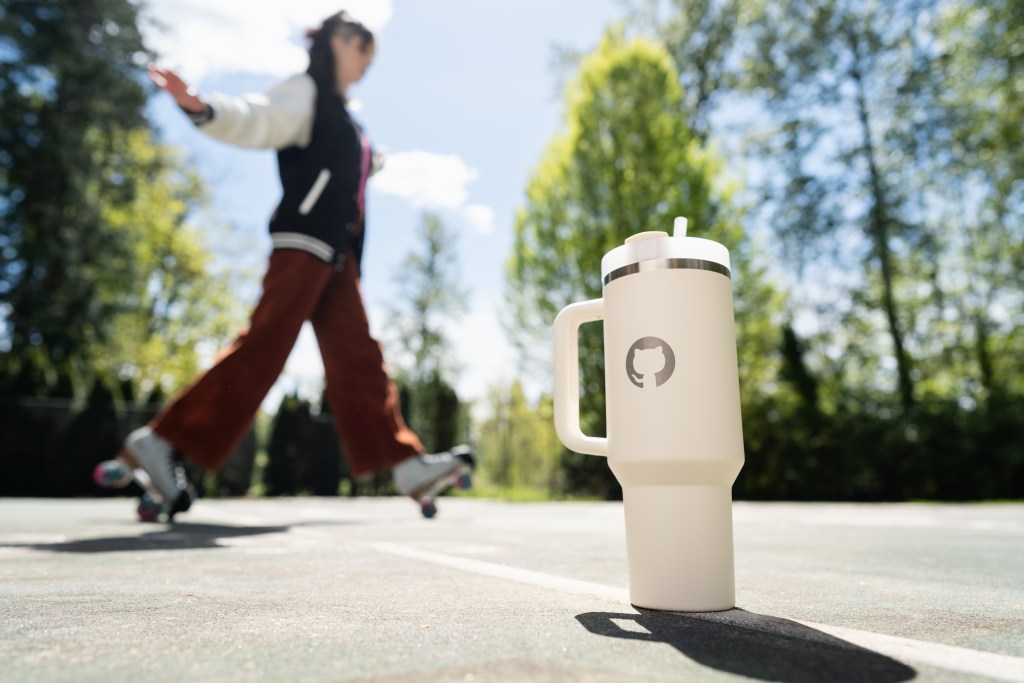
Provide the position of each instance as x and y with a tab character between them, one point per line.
302	242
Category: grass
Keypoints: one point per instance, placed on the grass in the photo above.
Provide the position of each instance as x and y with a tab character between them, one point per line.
516	494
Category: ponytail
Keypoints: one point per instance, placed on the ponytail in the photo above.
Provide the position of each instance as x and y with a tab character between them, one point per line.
321	58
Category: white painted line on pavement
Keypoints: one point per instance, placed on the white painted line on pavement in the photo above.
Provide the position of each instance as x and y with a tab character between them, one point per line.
500	571
950	657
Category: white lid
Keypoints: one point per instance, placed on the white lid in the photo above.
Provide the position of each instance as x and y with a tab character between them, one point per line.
658	246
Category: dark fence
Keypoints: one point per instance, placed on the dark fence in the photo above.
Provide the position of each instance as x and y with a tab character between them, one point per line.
49	447
306	457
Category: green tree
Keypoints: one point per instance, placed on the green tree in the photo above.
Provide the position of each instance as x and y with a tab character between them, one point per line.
98	272
429	299
885	141
626	162
982	91
982	310
702	36
835	77
892	140
283	474
519	451
70	88
174	300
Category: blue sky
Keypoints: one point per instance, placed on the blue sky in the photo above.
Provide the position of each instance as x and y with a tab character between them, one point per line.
463	97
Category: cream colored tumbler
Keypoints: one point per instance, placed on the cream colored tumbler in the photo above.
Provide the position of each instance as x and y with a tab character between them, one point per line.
675	438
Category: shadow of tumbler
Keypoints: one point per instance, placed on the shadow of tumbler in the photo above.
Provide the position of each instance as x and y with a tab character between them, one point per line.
763	647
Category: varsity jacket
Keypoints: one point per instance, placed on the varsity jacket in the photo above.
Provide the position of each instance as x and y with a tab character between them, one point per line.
323	158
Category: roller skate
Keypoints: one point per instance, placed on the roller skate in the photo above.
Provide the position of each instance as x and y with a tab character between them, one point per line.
148	460
425	477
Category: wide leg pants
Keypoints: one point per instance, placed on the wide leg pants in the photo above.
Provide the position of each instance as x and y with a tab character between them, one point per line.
208	419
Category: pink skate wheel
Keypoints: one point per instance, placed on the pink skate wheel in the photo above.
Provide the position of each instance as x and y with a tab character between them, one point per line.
111	474
149	510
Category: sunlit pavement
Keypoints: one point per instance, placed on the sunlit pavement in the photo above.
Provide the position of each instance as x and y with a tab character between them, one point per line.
320	589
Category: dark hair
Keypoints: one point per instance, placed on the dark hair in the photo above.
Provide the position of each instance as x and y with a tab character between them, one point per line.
321	59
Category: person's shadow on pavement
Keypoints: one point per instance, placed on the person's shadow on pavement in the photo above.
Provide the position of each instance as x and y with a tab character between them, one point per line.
765	648
178	536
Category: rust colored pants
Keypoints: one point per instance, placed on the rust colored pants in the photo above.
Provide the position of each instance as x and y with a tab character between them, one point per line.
207	420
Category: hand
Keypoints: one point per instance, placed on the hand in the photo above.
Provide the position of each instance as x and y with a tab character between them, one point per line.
184	94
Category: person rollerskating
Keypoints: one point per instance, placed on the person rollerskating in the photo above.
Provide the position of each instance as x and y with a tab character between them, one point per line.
324	160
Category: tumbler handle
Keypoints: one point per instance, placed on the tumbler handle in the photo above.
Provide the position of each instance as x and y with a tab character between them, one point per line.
567	376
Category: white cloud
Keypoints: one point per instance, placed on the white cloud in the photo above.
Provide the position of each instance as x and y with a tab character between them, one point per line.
425	179
434	181
202	38
481	217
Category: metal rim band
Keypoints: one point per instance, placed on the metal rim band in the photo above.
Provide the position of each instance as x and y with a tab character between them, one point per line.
667	264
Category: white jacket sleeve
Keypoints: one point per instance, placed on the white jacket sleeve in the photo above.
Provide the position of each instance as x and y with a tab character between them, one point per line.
278	118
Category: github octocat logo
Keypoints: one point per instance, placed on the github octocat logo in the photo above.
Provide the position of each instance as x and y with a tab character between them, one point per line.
650	362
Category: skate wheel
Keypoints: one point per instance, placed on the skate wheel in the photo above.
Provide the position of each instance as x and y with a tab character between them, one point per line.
149	510
183	502
428	508
465	481
112	474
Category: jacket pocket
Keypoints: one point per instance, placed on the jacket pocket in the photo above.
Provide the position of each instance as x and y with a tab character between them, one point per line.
309	201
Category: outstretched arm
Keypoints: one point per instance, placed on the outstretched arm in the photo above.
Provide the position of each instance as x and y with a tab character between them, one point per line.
278	118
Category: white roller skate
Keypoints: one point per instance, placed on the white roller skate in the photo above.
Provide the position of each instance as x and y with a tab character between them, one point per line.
425	477
149	460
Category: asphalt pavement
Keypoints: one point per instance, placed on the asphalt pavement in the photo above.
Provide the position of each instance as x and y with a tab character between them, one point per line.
327	589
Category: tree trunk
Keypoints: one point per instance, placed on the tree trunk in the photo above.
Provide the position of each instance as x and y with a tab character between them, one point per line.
878	230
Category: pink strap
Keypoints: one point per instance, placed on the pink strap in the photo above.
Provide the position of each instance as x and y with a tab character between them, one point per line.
364	167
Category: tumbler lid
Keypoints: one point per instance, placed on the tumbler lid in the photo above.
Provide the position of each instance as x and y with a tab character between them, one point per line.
657	251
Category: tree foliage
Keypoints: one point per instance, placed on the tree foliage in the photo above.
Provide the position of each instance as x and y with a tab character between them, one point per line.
175	300
982	180
519	450
626	162
98	271
61	164
883	142
429	300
